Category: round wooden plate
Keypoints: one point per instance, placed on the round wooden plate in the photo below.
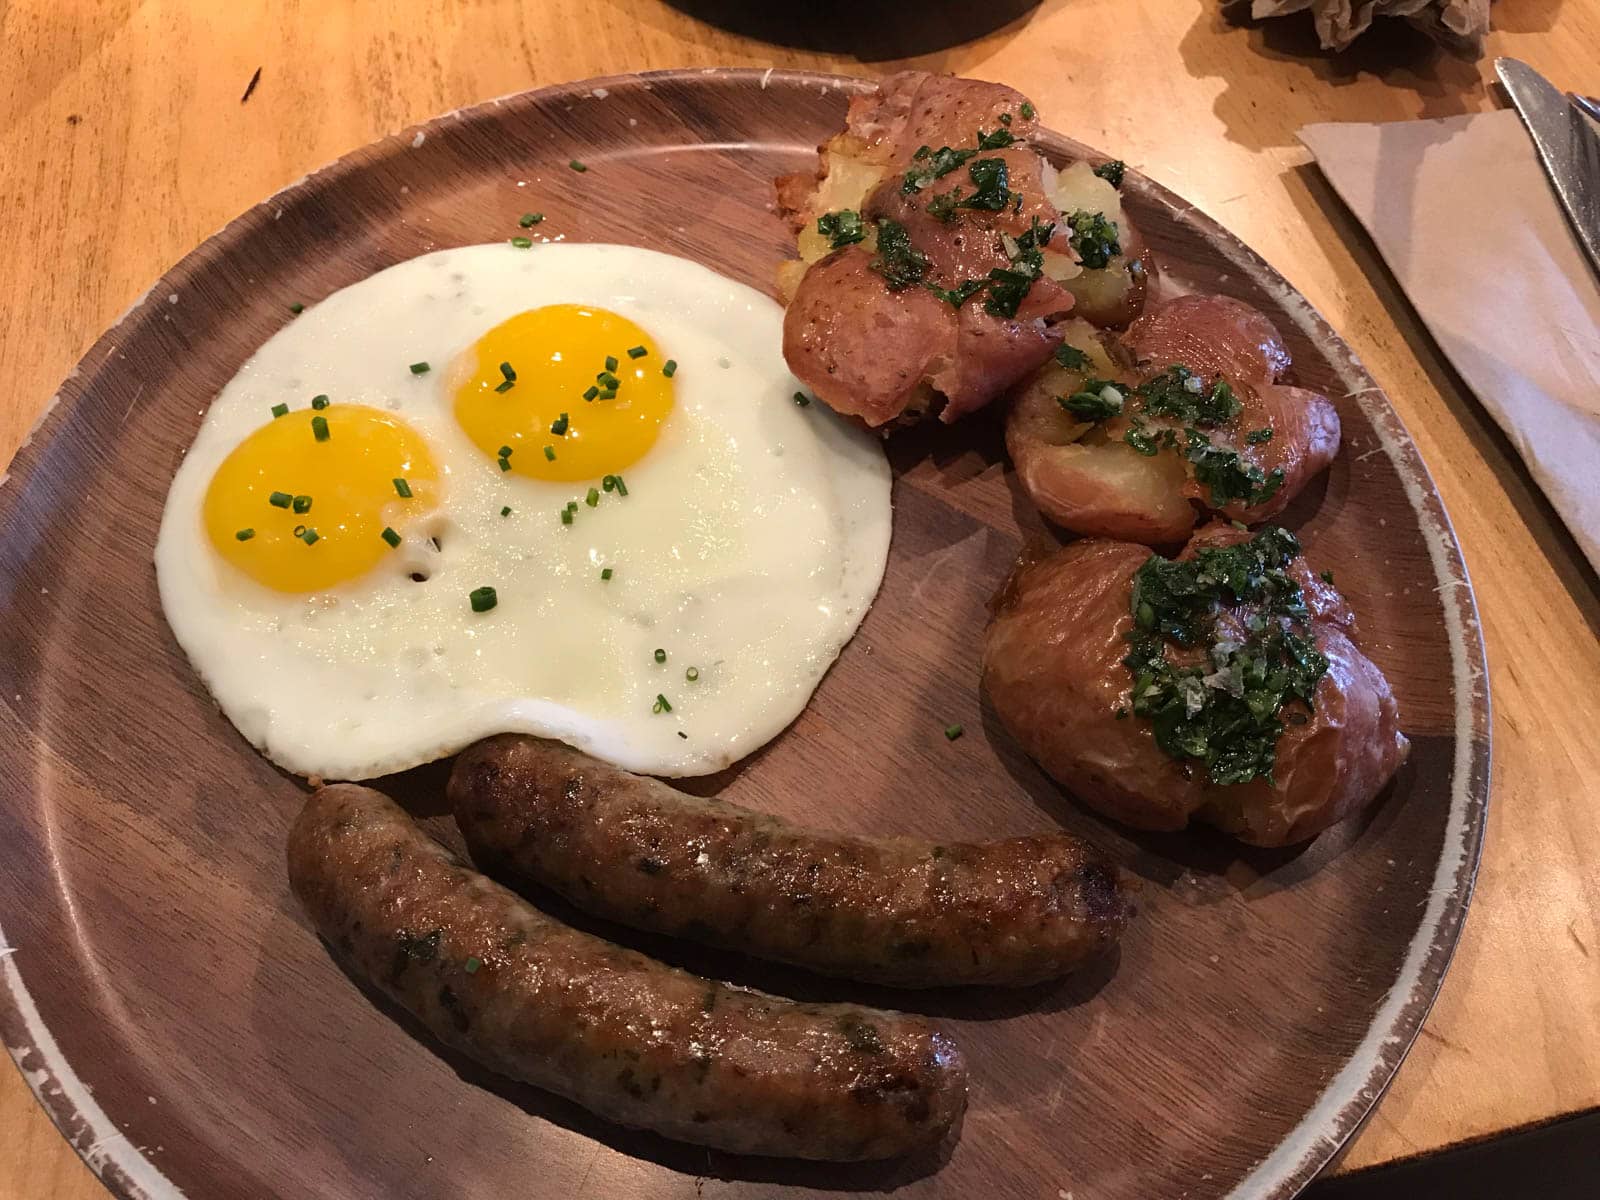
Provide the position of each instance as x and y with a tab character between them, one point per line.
171	1008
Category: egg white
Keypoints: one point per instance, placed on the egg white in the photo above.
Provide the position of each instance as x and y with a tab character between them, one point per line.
750	545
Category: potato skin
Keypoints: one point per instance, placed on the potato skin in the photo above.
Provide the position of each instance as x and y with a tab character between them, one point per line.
1052	667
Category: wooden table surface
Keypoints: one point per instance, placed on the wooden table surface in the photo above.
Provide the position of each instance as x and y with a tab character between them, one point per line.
124	142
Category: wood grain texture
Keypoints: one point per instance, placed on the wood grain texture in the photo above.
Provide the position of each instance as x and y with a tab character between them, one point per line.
126	144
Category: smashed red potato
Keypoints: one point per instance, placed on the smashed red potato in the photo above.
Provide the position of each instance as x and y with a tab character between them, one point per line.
1055	666
938	252
1196	421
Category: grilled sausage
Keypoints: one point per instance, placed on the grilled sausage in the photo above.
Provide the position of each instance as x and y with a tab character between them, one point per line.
625	1036
896	911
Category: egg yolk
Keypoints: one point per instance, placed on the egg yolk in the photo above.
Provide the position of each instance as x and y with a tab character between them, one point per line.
573	392
318	497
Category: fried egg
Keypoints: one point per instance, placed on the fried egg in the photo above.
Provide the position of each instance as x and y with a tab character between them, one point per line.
568	490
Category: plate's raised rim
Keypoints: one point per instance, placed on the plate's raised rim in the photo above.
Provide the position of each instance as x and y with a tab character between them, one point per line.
1346	1101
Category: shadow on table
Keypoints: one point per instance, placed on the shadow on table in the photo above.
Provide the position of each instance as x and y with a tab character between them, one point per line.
1556	1161
871	30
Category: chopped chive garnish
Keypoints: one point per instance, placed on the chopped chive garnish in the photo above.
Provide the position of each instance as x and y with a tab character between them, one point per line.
505	451
529	220
692	674
661	705
802	399
402	489
506	511
472	965
683	735
504	386
605	572
301	504
591	393
390	536
577	166
297	308
637	352
244	535
952	732
309	537
319	402
522	243
299	531
507	370
661	655
319	428
280	499
622	488
550	453
280	410
566	516
592	498
559	425
609	394
611	362
420	368
505	464
609	483
669	368
482	599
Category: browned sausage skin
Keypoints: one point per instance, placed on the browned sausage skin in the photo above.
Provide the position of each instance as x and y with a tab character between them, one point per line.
896	911
625	1036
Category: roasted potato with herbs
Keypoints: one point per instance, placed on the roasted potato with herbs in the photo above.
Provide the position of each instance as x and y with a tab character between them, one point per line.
1194	420
1224	686
932	192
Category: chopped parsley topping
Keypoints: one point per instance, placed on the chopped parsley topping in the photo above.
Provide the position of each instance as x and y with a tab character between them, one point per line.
319	428
280	410
402	489
1229	475
1093	238
1327	578
280	499
522	243
1070	357
482	599
1222	711
953	732
1181	394
529	220
559	426
390	536
1027	110
420	368
1095	400
998	140
662	704
1009	286
899	262
1257	436
244	535
932	164
842	228
319	402
1112	171
669	368
989	179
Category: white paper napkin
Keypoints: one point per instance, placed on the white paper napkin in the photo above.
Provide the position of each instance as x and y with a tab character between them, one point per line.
1465	218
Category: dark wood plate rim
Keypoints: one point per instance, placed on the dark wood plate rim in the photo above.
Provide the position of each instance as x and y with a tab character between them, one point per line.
1349	1097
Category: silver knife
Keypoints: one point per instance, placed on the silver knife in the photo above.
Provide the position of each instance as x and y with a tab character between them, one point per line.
1568	146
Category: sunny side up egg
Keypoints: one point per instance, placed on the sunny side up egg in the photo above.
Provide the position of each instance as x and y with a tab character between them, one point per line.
564	491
